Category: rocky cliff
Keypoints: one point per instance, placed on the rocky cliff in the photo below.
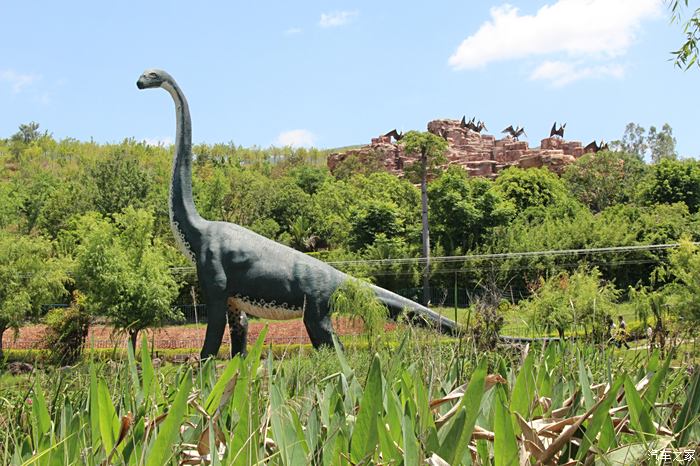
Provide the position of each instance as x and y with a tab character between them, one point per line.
479	154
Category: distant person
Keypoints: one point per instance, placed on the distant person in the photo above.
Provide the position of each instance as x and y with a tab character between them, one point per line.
611	332
622	332
650	337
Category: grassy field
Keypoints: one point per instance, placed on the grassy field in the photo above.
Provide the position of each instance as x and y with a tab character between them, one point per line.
403	398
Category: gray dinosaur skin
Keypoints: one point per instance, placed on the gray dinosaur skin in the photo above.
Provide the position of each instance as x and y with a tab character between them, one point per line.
234	262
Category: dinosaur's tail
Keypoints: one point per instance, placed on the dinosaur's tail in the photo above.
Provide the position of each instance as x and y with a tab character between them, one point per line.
397	304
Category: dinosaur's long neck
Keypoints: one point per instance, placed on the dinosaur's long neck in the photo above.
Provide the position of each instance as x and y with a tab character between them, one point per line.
184	218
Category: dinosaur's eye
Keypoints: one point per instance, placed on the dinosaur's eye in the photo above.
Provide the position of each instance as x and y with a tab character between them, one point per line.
152	75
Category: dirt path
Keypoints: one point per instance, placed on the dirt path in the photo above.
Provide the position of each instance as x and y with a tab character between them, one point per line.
184	336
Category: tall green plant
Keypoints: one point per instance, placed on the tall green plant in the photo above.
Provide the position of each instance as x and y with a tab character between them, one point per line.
30	275
356	299
124	272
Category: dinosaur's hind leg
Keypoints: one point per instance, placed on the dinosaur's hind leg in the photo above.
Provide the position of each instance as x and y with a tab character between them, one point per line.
238	328
318	326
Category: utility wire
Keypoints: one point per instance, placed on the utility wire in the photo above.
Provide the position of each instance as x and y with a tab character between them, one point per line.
494	256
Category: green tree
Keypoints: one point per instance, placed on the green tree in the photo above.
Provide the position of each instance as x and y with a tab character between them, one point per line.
605	178
373	218
633	141
464	209
27	133
30	275
354	164
568	300
657	144
387	274
32	190
683	287
532	187
430	150
124	272
66	330
309	178
120	181
662	144
673	181
687	54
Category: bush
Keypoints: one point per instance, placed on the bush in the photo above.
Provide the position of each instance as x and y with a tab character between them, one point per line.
356	299
66	330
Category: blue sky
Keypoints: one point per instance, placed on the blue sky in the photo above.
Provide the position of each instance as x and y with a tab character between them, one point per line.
336	73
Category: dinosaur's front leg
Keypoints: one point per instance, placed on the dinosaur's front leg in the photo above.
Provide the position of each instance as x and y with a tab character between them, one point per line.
216	324
238	328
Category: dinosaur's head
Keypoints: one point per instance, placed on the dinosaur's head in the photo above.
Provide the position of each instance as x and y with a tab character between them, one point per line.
152	78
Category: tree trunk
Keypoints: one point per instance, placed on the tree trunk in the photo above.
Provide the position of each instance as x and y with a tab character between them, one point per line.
426	231
133	335
2	332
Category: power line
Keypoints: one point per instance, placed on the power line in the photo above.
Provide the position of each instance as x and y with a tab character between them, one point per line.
493	256
509	255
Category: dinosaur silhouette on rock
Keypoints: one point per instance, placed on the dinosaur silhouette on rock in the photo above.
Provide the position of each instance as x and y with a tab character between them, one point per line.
241	272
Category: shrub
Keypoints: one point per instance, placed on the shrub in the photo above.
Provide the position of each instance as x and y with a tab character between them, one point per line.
356	299
66	330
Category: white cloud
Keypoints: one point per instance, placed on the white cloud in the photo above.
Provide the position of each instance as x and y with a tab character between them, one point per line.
594	29
296	138
18	81
336	18
165	142
293	31
561	73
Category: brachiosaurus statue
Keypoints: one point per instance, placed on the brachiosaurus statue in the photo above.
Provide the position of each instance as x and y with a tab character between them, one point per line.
242	272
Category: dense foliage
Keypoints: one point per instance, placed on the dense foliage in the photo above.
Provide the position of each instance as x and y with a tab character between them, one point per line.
104	207
416	404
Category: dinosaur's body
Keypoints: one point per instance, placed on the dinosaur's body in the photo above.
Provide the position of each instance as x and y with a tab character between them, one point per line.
242	272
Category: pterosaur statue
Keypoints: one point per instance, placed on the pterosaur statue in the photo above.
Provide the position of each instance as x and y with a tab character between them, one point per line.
515	133
394	134
241	272
557	132
477	127
594	146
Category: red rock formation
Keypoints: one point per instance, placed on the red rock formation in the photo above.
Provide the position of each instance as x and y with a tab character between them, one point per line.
480	155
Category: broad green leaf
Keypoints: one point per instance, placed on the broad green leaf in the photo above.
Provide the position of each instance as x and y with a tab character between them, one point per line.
394	413
147	372
109	422
290	440
422	402
690	412
450	444
652	390
94	409
253	356
633	453
639	416
169	430
212	401
597	421
240	405
607	439
344	366
40	413
389	451
524	388
460	430
585	383
410	442
364	434
133	372
505	447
